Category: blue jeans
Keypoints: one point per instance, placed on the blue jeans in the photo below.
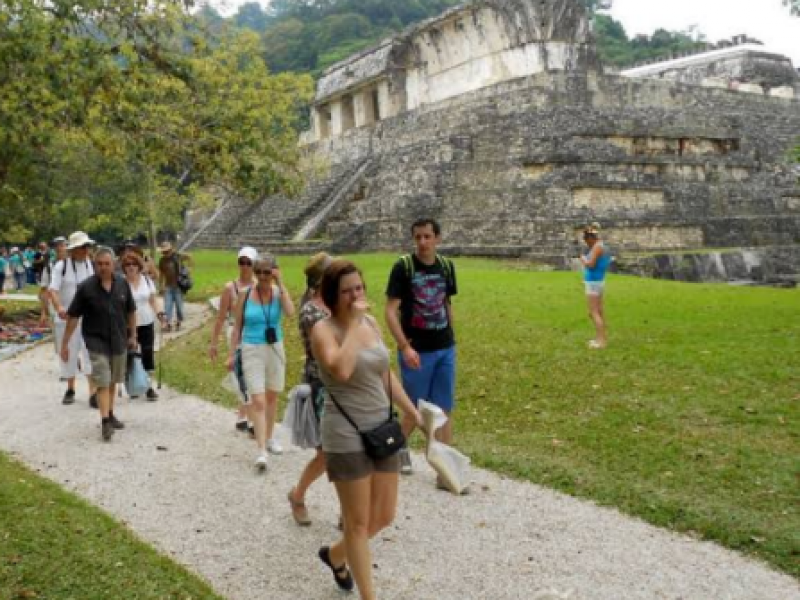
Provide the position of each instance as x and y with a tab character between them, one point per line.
434	381
19	280
173	297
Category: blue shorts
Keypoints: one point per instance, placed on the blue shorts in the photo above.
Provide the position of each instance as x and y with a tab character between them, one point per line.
434	381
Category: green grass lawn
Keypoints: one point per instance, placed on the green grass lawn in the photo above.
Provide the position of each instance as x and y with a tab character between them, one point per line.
689	420
55	546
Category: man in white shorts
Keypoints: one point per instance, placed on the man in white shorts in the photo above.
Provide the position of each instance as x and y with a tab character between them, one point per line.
65	277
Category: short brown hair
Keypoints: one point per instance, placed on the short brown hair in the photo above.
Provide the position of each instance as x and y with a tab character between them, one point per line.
331	280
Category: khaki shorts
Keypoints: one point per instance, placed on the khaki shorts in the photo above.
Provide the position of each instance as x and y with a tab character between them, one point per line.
264	367
105	370
351	466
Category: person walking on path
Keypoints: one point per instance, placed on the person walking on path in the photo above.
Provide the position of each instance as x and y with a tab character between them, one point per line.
144	295
3	269
105	308
16	264
258	317
27	259
595	266
59	248
419	314
354	369
65	277
41	258
227	303
169	269
312	311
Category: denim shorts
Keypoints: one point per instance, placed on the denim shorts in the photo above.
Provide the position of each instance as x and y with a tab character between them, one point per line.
434	381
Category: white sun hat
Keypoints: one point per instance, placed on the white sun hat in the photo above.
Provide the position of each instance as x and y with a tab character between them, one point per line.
78	240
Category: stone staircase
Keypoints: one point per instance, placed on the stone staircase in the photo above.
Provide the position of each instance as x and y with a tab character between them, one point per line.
273	223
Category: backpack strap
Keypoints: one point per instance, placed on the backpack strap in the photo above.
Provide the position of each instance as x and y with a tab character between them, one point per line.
244	307
408	265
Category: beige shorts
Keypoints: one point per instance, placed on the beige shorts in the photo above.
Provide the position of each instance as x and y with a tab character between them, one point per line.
105	370
595	288
264	367
351	466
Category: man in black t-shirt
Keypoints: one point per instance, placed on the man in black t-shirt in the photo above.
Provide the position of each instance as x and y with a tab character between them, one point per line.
105	304
420	316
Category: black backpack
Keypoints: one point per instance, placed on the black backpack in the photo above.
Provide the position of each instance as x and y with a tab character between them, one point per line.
184	279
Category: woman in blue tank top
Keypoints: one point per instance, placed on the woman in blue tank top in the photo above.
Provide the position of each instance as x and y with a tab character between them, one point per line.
258	313
595	265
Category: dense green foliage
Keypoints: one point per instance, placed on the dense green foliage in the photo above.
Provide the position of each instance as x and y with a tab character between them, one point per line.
688	420
111	111
617	49
54	545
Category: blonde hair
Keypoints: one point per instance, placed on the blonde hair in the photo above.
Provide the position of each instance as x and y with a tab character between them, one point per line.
315	268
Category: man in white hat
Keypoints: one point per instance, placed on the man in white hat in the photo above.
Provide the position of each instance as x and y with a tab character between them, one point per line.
169	269
65	277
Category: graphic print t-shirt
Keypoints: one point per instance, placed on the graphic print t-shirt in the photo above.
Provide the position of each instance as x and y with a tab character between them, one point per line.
423	303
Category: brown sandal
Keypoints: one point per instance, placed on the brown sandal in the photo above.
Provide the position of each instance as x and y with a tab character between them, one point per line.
299	511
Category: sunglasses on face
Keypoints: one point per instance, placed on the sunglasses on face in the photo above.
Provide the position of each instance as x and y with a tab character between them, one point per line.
263	271
244	262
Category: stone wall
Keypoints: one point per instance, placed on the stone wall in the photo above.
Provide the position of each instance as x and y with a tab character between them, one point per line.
520	164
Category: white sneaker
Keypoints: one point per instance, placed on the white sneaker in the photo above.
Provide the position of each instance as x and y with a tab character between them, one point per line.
261	462
405	462
274	447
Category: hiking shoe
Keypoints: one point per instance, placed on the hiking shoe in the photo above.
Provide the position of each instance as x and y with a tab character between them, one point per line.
115	422
69	397
93	401
341	575
108	430
241	425
151	395
405	462
261	462
299	510
274	447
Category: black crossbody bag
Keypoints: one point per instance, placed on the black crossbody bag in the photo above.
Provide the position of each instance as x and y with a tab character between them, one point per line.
383	441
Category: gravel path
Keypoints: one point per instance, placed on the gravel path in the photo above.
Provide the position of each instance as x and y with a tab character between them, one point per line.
183	480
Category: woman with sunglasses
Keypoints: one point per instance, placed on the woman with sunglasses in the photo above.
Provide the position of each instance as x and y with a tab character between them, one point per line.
227	302
258	316
144	295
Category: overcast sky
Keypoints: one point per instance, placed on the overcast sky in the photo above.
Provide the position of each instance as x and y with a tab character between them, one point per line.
767	20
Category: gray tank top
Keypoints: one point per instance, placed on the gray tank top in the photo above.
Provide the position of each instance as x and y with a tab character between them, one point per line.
364	398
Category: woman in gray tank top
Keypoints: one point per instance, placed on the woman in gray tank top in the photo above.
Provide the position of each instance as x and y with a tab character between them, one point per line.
354	367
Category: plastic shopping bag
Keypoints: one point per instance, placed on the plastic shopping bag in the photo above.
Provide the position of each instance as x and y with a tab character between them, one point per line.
451	466
301	419
136	380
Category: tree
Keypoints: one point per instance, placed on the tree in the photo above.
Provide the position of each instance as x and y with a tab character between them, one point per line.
794	6
139	89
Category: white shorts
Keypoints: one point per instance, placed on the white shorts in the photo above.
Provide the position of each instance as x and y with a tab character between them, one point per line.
77	348
264	367
595	288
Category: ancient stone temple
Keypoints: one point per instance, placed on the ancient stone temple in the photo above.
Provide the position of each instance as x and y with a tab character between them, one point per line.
497	118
